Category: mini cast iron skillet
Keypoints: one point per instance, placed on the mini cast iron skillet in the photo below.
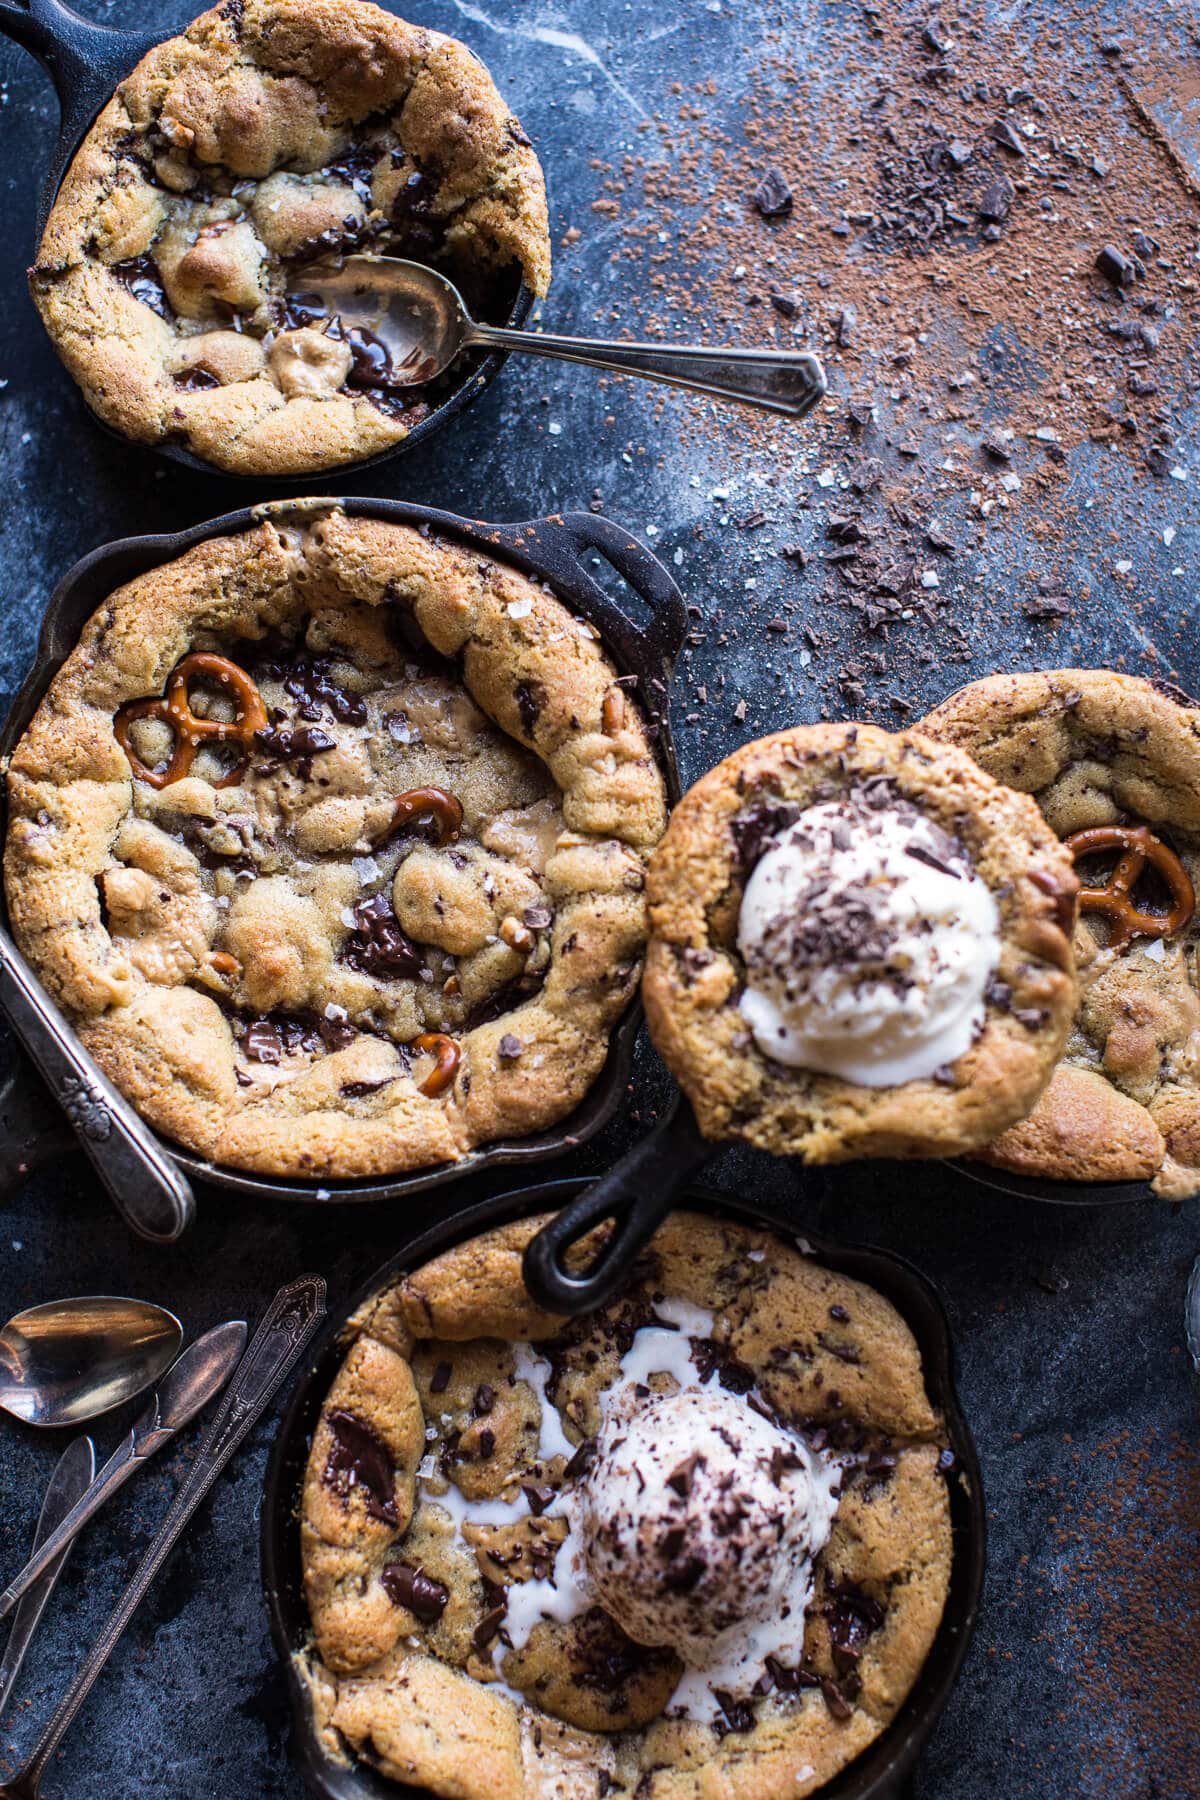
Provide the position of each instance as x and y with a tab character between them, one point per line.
883	1772
87	63
639	1191
554	550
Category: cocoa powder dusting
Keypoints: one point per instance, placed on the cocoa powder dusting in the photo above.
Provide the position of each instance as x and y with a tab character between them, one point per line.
1125	1560
992	247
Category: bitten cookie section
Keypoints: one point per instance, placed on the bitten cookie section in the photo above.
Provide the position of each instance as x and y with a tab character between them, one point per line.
269	136
1113	762
331	839
860	946
697	1542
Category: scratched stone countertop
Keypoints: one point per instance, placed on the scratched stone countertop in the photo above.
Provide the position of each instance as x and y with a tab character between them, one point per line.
1068	1320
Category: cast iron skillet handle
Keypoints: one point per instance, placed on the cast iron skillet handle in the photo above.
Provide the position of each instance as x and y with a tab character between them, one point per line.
637	1193
85	62
150	1194
559	544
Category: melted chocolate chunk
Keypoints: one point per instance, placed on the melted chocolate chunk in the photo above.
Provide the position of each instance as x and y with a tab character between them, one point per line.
754	830
1063	898
531	698
711	1357
582	1460
853	1616
489	1625
271	1036
358	1090
420	1593
359	1459
790	1681
538	1499
377	946
140	275
736	1715
294	743
301	310
310	682
195	379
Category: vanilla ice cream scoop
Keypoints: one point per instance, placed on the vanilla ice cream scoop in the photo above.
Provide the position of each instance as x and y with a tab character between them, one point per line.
699	1520
869	942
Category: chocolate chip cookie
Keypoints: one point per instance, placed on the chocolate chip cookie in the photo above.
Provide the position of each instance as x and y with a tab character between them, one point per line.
330	838
271	134
695	1543
860	946
1114	763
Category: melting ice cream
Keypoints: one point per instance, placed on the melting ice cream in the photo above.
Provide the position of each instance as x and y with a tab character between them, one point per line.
869	941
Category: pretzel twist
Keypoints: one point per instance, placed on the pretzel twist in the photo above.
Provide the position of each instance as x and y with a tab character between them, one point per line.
1138	846
190	733
448	1053
442	809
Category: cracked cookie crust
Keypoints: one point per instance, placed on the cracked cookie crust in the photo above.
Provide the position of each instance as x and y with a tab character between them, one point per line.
1099	749
696	975
268	135
330	839
441	1476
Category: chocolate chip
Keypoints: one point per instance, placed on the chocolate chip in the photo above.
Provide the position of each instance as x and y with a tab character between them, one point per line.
537	917
784	305
485	1399
681	1577
441	1379
680	1479
262	1042
140	275
488	1626
420	1593
310	682
487	1443
772	197
538	1498
531	698
377	946
835	1700
359	1459
291	744
581	1461
509	1048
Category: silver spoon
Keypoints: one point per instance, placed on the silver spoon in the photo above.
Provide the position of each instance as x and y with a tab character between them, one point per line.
1191	1315
290	1322
72	1359
406	323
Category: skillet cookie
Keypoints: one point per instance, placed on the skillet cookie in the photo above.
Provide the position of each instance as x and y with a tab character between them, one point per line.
694	1544
269	135
1114	763
329	838
859	946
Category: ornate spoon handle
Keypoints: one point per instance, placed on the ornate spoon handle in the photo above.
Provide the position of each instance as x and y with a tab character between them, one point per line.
146	1188
290	1322
779	381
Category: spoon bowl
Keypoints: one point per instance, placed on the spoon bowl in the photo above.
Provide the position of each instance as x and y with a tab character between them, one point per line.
70	1360
404	324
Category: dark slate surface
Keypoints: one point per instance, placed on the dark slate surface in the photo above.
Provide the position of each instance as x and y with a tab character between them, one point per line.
1068	1320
